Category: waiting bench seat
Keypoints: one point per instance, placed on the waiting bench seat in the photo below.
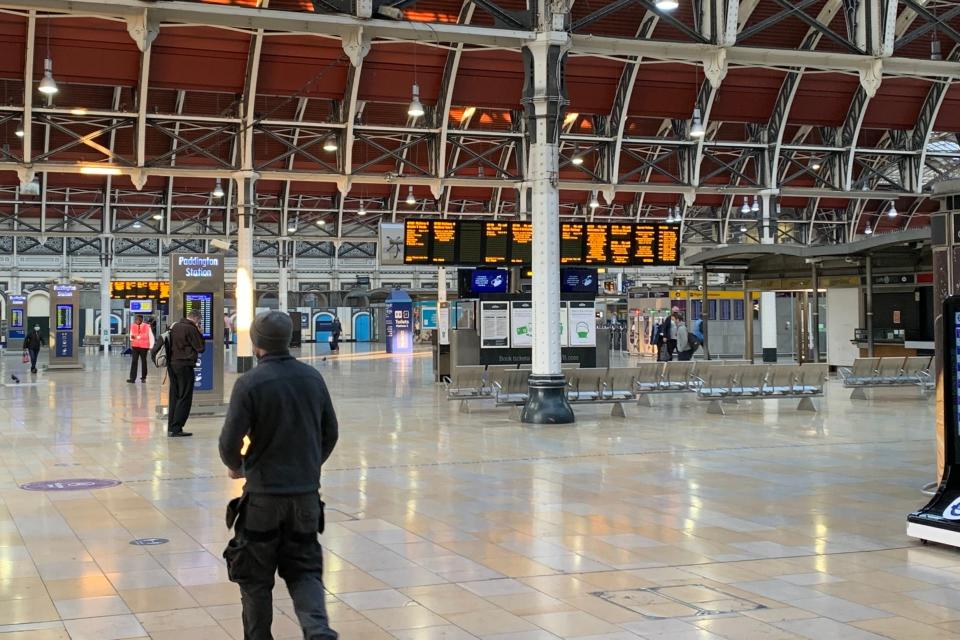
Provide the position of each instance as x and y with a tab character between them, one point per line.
888	371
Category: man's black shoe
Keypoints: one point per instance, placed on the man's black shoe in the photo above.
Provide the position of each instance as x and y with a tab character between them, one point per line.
131	381
179	434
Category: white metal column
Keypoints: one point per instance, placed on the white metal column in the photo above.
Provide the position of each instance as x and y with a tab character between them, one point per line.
768	299
544	102
105	306
245	212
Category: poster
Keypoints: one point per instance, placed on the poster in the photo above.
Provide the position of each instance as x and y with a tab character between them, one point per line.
443	323
391	244
563	325
521	324
583	324
494	325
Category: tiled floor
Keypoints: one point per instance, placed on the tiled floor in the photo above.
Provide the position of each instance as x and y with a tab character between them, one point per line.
668	525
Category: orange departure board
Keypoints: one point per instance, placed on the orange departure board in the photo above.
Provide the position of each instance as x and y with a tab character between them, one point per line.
571	243
621	245
496	242
644	244
443	238
140	290
416	242
598	244
668	244
501	243
521	243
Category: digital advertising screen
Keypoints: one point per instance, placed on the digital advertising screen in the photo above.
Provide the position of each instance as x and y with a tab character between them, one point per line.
64	317
203	304
578	280
141	306
490	281
16	320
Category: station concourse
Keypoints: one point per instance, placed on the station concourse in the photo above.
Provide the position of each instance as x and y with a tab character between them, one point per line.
640	319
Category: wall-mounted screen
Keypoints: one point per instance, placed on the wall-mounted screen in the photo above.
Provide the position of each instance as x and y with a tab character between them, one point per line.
64	317
496	243
203	304
490	281
573	280
140	290
141	306
16	320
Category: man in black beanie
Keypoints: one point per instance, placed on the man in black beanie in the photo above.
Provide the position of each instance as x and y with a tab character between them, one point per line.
284	408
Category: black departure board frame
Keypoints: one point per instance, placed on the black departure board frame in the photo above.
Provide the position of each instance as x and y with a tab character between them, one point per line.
492	243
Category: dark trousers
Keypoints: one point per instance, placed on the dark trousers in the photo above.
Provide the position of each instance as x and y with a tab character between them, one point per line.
226	337
279	534
335	342
181	396
685	355
139	356
671	349
34	353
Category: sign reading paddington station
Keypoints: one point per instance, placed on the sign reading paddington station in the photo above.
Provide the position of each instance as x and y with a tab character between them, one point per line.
199	266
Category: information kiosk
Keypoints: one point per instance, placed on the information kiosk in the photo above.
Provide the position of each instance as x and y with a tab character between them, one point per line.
939	521
64	327
16	322
196	284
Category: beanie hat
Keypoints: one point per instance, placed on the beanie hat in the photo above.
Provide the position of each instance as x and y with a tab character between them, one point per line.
272	331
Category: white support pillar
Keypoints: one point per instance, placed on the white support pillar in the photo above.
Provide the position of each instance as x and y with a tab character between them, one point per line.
105	273
441	284
768	299
245	215
544	100
283	280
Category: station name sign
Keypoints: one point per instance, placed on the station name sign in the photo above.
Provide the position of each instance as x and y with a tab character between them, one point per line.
64	290
198	267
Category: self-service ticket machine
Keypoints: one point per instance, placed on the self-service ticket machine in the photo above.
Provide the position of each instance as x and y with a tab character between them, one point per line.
16	322
196	284
64	327
939	521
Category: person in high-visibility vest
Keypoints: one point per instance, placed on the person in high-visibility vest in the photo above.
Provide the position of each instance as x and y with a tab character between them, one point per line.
141	341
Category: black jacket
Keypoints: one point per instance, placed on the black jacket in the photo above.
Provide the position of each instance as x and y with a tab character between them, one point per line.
33	341
285	408
186	342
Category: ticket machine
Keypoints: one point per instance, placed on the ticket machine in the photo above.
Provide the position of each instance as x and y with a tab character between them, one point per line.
939	521
64	327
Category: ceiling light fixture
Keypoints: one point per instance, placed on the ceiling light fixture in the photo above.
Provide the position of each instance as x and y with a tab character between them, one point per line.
678	215
815	164
936	52
670	216
218	189
362	211
594	203
756	205
78	111
667	5
19	130
468	113
158	216
330	143
136	224
292	227
745	209
570	118
411	200
48	85
99	170
577	160
697	129
892	211
868	231
321	222
743	228
416	108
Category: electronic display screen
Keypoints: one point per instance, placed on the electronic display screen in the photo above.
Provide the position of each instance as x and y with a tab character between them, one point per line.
416	242
574	280
496	242
140	290
571	243
521	243
480	243
64	317
470	240
598	244
141	306
16	320
203	304
443	238
490	281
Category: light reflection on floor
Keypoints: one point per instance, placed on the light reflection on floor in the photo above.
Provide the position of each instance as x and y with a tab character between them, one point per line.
670	524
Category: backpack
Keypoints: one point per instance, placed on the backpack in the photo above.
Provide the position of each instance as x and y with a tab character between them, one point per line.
683	337
159	353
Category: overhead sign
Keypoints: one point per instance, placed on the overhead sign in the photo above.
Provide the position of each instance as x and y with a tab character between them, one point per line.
475	243
140	290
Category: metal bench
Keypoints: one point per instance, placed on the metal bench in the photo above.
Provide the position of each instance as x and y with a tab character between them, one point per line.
893	371
467	383
722	385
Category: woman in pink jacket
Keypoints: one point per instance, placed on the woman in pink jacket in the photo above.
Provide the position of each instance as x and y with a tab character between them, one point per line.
141	341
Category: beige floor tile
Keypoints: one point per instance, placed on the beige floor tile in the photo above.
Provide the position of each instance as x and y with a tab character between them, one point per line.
91	607
72	588
106	628
361	630
158	599
490	622
27	610
570	624
202	633
528	604
904	629
409	617
175	619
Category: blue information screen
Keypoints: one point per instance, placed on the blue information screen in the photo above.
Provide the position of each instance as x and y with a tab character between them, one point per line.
64	317
203	304
578	280
490	281
203	372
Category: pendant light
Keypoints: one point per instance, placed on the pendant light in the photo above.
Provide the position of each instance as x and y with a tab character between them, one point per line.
756	205
815	164
936	53
321	222
218	189
158	216
577	159
677	215
48	86
416	108
696	126
292	226
330	143
745	209
743	228
362	211
136	224
667	5
892	211
868	231
410	199
19	130
594	203
670	216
